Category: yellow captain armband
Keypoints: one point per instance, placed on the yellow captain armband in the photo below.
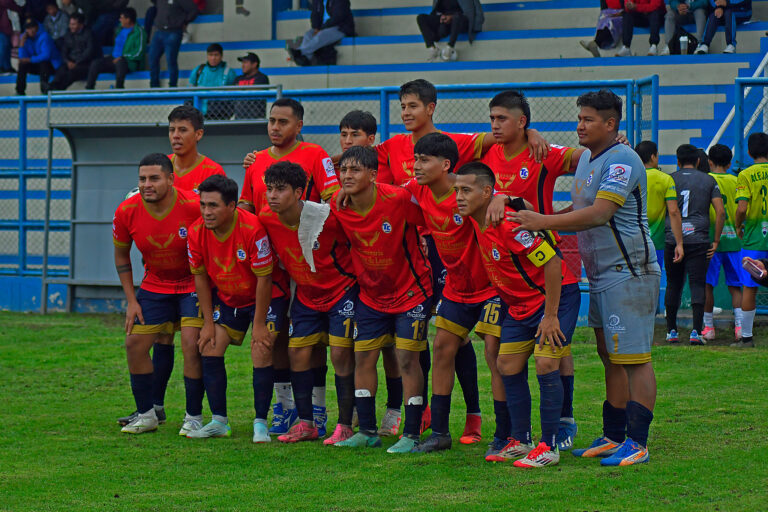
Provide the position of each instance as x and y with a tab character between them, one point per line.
542	254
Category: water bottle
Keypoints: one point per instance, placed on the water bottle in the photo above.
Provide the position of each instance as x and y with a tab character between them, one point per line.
684	45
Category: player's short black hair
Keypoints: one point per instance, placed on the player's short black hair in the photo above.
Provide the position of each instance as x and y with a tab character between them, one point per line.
294	105
439	145
130	13
647	149
158	159
483	173
687	154
422	89
513	100
604	101
364	156
703	160
187	113
78	16
359	120
757	145
214	48
221	184
721	155
286	173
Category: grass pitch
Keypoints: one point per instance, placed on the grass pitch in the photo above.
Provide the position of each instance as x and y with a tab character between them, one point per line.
64	381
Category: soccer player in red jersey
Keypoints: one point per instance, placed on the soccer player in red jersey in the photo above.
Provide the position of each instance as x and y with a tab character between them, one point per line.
157	220
543	299
315	252
468	301
229	249
185	129
518	174
395	290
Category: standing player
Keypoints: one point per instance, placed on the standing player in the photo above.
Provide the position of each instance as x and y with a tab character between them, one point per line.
614	243
229	249
185	129
751	225
158	221
543	298
314	250
395	290
728	253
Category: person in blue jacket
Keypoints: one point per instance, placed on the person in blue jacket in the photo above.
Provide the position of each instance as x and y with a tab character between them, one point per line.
729	13
37	55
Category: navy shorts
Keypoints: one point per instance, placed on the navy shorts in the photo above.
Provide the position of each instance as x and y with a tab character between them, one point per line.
518	336
375	329
486	317
165	312
334	327
236	321
439	273
730	262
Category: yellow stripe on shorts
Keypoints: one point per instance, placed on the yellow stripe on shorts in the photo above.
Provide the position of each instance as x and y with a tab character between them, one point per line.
516	347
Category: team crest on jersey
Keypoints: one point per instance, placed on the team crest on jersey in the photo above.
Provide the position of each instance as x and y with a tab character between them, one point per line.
216	314
290	329
354	332
240	254
386	227
524	173
183	232
496	254
316	245
765	228
589	178
457	219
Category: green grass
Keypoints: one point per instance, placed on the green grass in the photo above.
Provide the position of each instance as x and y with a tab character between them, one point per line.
64	382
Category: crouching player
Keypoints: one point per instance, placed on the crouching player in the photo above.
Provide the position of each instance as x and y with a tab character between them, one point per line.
158	220
229	249
543	298
314	250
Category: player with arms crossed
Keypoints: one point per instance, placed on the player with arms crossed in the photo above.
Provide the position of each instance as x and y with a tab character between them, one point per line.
185	130
158	220
229	249
314	250
609	201
543	298
395	290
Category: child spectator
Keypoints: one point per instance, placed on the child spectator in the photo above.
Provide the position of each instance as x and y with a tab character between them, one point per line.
729	13
127	54
641	13
38	55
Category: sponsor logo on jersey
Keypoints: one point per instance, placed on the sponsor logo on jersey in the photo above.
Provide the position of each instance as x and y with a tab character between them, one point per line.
615	325
386	227
524	173
347	309
417	312
262	247
330	172
271	317
618	174
525	238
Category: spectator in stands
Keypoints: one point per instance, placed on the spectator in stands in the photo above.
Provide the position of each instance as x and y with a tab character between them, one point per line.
251	109
127	54
338	24
34	9
78	50
69	7
56	22
149	19
186	37
38	55
102	17
608	31
213	73
172	17
729	13
683	12
449	18
6	33
641	13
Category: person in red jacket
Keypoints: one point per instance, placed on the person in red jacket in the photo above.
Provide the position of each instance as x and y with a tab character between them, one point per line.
641	13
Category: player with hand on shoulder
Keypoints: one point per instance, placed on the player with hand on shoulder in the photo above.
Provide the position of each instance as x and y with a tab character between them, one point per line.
185	130
158	220
543	297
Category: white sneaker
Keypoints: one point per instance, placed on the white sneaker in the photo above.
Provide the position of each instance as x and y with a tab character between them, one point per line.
717	310
146	422
448	53
434	54
390	424
185	38
701	49
260	433
539	457
191	423
213	429
664	50
653	50
730	49
624	52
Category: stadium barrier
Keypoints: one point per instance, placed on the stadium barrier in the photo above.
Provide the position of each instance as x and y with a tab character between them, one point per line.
36	179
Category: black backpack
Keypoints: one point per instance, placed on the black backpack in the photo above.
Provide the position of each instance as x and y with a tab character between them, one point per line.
674	44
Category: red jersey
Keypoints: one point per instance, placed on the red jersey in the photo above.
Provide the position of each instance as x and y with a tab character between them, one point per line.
321	175
520	175
392	270
396	155
515	262
192	178
161	240
465	281
233	261
332	277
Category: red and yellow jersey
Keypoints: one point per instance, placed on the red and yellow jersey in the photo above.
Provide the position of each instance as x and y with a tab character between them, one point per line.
515	262
192	178
233	261
392	270
162	241
333	275
322	181
396	155
520	175
465	281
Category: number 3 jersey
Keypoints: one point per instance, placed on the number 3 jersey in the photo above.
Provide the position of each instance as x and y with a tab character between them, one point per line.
514	262
621	248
